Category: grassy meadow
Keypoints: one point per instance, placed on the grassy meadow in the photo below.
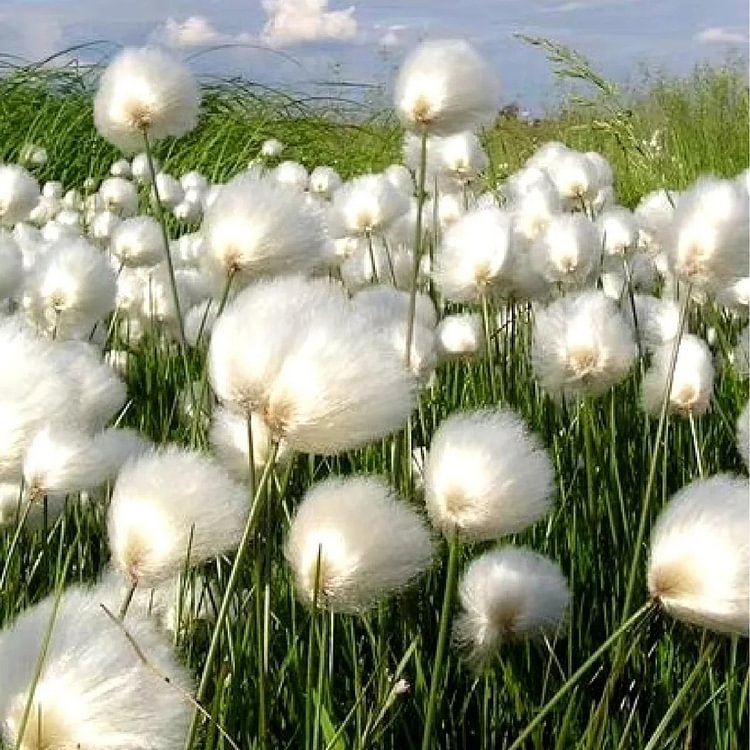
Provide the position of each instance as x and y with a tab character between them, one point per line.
363	681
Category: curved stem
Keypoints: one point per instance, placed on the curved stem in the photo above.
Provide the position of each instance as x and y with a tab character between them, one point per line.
213	647
451	581
421	177
576	676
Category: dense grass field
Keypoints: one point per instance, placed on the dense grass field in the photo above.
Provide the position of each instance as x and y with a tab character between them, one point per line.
363	681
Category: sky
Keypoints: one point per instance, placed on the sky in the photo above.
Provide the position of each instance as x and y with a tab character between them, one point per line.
302	44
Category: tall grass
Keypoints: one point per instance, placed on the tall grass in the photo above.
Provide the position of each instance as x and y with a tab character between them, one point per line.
371	689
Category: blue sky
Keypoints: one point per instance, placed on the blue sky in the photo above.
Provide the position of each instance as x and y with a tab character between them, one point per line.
299	42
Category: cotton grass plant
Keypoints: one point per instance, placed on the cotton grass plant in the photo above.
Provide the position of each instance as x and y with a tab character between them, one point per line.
457	454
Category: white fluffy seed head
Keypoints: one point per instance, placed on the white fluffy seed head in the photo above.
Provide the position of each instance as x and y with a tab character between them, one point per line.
256	228
93	690
473	255
170	190
292	174
103	225
698	566
507	594
581	346
272	148
354	542
460	336
383	304
693	382
64	459
400	177
11	267
444	87
140	168
658	320
70	289
295	352
145	91
486	476
324	181
170	508
743	434
19	193
368	204
229	441
138	242
121	168
120	196
618	232
567	251
708	237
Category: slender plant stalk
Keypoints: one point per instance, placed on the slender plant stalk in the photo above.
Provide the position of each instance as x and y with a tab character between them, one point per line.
127	600
696	444
646	505
573	680
451	581
421	178
688	686
232	581
489	343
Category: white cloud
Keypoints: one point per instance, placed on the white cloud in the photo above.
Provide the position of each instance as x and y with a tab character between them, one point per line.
296	21
716	35
393	37
195	31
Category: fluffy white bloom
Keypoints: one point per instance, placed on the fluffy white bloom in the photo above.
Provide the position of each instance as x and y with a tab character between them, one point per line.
103	225
194	181
52	189
94	691
229	440
45	210
473	255
698	567
169	508
708	240
140	169
658	320
119	196
121	168
446	208
70	289
743	434
736	296
138	242
11	267
293	351
460	336
400	177
324	181
271	148
567	251
693	382
64	459
654	215
454	161
256	227
367	204
507	594
291	174
581	345
33	155
618	232
644	276
19	193
574	177
392	263
358	541
145	91
73	200
486	476
384	304
532	203
444	87
547	155
169	189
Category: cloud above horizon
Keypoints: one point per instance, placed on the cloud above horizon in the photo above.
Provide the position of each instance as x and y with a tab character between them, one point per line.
719	35
297	21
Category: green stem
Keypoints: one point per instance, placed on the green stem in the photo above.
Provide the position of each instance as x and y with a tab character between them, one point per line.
129	594
421	177
696	444
489	346
451	581
232	582
571	682
645	508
